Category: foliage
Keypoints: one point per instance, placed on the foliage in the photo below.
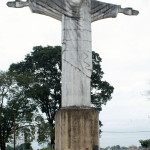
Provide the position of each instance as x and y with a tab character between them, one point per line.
100	90
145	143
41	74
44	130
118	147
15	108
42	71
25	146
46	148
9	147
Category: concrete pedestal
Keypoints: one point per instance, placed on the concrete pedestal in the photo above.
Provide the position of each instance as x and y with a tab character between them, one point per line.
77	128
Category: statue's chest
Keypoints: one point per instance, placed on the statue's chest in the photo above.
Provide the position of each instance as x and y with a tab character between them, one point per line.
78	8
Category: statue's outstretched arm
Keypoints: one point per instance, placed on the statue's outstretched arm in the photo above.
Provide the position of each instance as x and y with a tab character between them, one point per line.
100	10
52	8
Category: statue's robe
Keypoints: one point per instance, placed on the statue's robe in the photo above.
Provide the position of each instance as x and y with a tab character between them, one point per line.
76	17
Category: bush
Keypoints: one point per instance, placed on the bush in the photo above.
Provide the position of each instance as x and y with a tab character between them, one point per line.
145	143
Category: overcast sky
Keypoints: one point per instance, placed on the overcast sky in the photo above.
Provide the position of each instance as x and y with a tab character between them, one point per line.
124	46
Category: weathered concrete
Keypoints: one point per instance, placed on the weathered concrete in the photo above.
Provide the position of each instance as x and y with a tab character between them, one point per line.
77	128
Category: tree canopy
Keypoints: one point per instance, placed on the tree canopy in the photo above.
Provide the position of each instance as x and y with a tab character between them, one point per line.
145	143
15	108
40	75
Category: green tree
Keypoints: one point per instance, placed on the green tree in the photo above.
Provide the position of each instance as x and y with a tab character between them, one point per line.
100	90
145	143
25	146
42	69
46	148
9	147
44	130
15	108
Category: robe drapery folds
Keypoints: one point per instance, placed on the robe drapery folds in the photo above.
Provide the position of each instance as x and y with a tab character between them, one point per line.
76	17
57	8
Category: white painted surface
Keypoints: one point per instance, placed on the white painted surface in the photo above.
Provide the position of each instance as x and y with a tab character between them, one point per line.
76	56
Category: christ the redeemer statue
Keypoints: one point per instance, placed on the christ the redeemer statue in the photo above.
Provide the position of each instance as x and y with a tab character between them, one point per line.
76	17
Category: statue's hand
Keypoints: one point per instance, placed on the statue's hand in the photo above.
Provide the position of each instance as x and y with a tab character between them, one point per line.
129	11
18	4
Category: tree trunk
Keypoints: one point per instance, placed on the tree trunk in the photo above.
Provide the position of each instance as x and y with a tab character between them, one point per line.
52	143
14	136
3	145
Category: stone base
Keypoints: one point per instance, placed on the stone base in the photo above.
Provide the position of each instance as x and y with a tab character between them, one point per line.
77	128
